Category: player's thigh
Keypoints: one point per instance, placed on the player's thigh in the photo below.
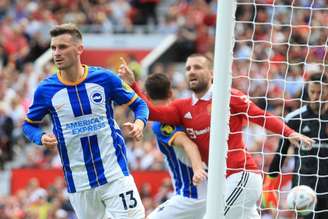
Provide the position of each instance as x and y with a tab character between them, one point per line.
243	191
87	204
122	199
179	207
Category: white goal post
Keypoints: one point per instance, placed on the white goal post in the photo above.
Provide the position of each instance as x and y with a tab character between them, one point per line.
221	97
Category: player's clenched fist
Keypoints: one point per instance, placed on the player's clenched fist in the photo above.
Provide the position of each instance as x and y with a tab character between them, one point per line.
200	176
49	140
134	130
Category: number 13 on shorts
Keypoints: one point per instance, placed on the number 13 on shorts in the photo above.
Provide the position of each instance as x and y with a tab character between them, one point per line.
128	200
125	202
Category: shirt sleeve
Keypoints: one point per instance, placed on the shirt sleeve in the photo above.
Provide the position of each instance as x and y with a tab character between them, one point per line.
240	103
36	113
124	94
32	132
120	92
39	108
167	114
167	133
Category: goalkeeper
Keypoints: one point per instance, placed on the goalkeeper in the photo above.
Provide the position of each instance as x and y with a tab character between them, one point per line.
311	165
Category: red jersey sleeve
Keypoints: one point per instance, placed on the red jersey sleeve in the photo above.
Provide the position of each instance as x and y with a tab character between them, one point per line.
240	103
168	114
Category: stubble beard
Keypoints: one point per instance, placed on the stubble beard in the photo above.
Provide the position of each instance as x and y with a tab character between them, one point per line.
199	88
63	66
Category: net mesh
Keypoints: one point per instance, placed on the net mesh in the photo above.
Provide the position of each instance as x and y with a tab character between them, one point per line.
279	44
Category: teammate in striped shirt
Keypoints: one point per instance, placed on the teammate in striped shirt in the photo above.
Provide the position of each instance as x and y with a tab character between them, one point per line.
182	158
244	183
79	100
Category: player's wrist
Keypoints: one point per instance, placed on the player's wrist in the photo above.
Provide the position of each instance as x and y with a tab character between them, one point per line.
197	169
288	132
42	135
140	123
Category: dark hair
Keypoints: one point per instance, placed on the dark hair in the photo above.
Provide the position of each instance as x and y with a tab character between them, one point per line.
68	28
318	78
158	86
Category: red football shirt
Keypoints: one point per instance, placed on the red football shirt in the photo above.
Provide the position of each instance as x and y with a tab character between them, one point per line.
195	115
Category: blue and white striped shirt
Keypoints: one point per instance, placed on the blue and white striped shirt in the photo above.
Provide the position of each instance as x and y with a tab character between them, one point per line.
90	143
177	162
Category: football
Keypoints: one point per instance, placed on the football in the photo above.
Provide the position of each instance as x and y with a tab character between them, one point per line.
302	199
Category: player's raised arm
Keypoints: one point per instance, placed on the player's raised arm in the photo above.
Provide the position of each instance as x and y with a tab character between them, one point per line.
125	73
167	114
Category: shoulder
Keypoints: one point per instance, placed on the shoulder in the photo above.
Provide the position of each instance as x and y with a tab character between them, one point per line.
47	83
101	72
236	92
50	80
296	114
182	102
238	97
181	105
104	77
165	130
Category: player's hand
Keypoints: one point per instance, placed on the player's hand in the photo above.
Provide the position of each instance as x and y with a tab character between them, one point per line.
269	194
134	130
299	140
49	140
200	176
125	73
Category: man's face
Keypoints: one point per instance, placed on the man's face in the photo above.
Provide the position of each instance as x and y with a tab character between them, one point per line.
65	51
317	93
199	74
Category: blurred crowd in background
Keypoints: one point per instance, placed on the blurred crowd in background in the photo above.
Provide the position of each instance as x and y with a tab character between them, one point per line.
276	49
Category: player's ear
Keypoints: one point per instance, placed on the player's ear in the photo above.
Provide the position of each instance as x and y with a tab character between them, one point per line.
80	49
212	76
170	94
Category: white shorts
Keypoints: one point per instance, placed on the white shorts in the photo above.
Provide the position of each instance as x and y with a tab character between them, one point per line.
243	191
117	200
179	207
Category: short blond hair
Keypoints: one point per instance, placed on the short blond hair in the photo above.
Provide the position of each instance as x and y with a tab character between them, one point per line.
208	58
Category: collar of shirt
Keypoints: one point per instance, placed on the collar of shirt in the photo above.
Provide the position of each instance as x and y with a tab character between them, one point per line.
207	96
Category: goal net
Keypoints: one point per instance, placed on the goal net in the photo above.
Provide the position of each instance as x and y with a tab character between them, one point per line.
279	44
